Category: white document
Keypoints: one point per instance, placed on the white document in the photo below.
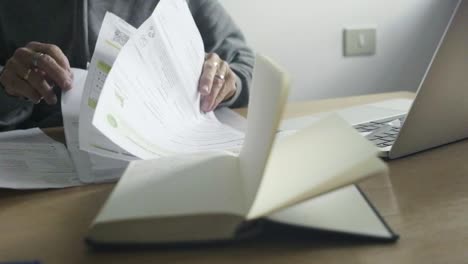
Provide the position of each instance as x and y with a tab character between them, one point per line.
298	123
33	135
353	115
150	104
396	104
228	117
31	160
90	167
36	166
114	33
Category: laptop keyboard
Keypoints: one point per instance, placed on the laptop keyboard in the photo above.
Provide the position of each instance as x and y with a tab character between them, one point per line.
384	132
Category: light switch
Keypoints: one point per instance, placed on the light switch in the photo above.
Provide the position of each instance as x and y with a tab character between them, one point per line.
359	42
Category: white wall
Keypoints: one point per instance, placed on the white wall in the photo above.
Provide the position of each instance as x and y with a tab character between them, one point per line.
305	36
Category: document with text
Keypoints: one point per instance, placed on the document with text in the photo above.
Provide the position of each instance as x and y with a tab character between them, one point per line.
90	167
36	166
150	104
113	35
33	135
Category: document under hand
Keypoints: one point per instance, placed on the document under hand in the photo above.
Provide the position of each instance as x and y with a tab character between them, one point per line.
150	104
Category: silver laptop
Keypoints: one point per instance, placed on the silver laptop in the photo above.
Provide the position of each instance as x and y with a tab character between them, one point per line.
439	113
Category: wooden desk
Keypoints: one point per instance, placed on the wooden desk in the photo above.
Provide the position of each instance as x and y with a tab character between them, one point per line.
425	200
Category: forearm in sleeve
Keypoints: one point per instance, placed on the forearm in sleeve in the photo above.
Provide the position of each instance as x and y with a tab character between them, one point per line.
13	110
222	36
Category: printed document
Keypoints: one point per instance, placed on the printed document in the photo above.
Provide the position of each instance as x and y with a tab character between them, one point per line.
91	168
113	35
150	104
33	135
35	165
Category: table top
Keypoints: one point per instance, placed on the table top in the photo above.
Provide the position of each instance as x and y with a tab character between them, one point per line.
424	199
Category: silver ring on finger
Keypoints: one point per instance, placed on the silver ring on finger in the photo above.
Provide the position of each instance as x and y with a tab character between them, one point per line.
220	77
35	59
26	75
35	102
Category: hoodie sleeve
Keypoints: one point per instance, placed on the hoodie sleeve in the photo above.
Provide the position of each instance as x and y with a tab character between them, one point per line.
222	36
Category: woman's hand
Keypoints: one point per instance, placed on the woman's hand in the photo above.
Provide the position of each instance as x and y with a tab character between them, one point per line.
217	82
34	70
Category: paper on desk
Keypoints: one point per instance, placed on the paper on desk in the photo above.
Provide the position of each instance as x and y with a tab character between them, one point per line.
29	159
238	122
150	105
36	166
298	123
353	115
113	35
33	135
228	117
90	167
402	105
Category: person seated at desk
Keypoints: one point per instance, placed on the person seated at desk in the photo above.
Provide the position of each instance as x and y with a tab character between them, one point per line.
41	40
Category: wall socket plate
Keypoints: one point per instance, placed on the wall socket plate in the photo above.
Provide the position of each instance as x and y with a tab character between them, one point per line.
359	41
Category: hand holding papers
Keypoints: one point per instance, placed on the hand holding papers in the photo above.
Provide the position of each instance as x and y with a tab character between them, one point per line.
150	104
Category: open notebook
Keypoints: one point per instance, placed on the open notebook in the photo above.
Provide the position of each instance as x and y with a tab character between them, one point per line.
215	195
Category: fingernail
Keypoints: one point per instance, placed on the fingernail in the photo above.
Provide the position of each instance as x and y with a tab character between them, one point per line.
208	107
67	84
